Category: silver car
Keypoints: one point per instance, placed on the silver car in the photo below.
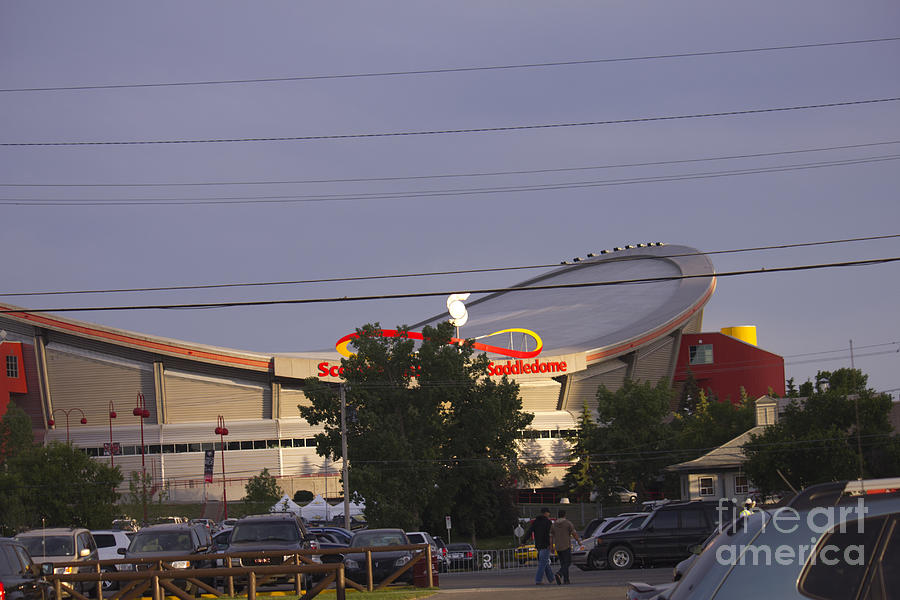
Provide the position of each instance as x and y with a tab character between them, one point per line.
833	541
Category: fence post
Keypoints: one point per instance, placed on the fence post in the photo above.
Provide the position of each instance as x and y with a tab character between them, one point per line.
99	581
155	584
341	587
251	590
428	566
369	576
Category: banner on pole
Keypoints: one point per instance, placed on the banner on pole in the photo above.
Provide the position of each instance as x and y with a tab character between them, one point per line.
209	460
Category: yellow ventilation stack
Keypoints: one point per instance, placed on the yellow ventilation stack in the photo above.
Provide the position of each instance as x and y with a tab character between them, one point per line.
745	333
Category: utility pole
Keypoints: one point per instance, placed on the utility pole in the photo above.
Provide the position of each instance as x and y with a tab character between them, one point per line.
344	472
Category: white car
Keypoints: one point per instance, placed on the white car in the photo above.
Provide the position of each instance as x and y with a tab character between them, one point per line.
624	495
108	543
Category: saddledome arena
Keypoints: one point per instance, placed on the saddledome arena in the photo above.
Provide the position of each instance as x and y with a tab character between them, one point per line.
60	368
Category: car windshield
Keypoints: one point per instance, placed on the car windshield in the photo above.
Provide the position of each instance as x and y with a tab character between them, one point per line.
50	545
376	538
708	570
458	547
264	532
161	541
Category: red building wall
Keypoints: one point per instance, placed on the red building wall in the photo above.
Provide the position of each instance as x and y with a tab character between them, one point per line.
12	373
735	364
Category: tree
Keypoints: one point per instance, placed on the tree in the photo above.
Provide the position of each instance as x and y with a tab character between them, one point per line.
72	489
630	440
263	488
587	475
15	432
817	439
303	496
431	433
712	423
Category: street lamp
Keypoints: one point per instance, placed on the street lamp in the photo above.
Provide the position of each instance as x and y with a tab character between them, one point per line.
142	413
66	412
112	450
222	431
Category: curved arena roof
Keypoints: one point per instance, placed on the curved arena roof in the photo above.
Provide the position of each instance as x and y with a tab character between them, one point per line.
663	287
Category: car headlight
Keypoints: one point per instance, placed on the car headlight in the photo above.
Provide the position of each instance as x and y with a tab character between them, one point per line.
181	564
350	563
64	570
401	561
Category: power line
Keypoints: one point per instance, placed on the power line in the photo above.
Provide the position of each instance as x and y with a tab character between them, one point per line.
495	129
206	305
456	272
450	69
458	175
297	198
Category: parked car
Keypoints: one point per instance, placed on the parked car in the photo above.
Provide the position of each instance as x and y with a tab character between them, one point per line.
442	548
172	540
221	542
20	577
666	534
208	523
336	535
624	495
582	553
271	532
384	563
61	545
833	541
462	556
125	524
228	523
423	537
108	543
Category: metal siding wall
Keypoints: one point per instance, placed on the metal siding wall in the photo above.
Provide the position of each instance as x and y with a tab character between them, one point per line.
539	396
694	324
190	399
585	389
18	332
90	383
653	362
291	398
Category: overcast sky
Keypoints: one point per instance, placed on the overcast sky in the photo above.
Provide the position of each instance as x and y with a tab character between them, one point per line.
311	234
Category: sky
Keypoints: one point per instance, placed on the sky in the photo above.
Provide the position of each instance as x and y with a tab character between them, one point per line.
343	71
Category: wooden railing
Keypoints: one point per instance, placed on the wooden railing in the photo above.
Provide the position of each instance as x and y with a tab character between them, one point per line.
310	572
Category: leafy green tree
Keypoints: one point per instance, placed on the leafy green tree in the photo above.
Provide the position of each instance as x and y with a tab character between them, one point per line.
430	434
72	489
303	496
818	440
15	432
631	439
587	474
263	488
712	423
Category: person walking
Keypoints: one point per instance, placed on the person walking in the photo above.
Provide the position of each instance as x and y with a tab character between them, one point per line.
540	527
560	532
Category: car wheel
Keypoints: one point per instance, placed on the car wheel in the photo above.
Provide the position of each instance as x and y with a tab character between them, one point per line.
595	561
110	585
621	557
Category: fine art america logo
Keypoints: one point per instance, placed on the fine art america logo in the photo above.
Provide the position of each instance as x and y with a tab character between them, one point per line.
788	522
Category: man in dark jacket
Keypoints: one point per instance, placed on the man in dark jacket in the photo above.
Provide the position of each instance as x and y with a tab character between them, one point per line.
540	527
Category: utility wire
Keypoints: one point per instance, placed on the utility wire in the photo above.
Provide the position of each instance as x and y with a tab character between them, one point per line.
344	136
456	175
205	305
451	69
454	272
296	198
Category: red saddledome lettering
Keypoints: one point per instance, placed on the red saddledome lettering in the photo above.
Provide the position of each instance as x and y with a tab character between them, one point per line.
519	367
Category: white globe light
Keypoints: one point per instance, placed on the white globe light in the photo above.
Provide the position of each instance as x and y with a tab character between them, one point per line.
457	309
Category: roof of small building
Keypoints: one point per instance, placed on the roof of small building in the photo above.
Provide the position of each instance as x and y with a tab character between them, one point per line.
729	455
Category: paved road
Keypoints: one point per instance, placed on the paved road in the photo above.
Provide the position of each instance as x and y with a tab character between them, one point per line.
519	583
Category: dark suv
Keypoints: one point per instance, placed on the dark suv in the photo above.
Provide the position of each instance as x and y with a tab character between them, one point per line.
270	532
667	534
163	541
20	578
